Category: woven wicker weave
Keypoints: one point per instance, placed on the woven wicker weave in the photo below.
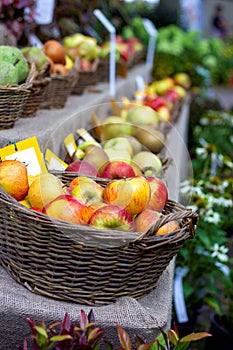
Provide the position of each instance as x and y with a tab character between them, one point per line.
12	100
58	90
82	264
86	78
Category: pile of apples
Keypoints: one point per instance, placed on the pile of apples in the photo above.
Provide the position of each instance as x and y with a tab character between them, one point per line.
162	95
130	205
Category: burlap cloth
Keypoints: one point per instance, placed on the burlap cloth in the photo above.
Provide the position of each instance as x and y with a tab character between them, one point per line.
143	317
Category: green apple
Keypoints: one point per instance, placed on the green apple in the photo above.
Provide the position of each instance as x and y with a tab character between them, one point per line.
142	115
113	126
115	154
148	162
118	144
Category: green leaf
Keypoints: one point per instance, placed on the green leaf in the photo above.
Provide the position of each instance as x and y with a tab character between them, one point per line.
61	337
172	336
124	338
182	346
195	336
40	330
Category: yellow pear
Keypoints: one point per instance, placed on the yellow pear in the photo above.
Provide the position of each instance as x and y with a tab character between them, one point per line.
14	178
43	189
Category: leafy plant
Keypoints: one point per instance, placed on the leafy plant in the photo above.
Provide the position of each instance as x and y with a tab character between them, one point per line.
86	335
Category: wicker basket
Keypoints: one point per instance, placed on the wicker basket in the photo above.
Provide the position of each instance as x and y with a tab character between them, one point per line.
12	100
82	264
86	78
58	91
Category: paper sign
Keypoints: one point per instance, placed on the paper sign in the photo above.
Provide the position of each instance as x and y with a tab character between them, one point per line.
70	144
44	11
53	162
179	301
28	152
152	31
112	66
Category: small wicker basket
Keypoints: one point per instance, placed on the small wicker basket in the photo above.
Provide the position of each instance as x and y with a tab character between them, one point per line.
86	78
58	90
12	101
39	81
82	264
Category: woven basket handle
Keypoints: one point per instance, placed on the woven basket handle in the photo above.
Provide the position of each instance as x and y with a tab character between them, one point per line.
180	215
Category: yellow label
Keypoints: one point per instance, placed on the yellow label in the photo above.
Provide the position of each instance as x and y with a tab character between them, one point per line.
28	152
85	135
70	144
53	162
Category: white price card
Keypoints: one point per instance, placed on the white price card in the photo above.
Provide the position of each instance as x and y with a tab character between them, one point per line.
44	11
53	162
152	31
112	66
28	152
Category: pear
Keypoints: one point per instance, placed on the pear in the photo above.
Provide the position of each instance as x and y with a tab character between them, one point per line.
8	74
35	54
113	126
152	139
44	189
142	115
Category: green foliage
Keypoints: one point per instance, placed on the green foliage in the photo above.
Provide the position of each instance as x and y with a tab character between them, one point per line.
87	336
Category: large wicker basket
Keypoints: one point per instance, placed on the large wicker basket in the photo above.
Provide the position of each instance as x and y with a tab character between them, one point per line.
12	101
82	264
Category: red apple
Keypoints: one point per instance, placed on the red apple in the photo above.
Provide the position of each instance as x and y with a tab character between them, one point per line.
86	190
82	167
112	217
155	102
37	209
117	169
158	194
172	96
131	194
95	206
68	208
148	217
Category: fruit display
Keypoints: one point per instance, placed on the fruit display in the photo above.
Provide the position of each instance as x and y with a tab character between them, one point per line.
121	204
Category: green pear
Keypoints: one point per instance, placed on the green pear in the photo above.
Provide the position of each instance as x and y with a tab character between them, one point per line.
35	54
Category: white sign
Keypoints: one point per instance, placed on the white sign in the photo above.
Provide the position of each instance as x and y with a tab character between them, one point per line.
152	31
112	66
44	11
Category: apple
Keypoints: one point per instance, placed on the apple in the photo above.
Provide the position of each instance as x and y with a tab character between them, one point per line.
95	206
182	79
118	169
172	96
14	178
146	219
149	217
68	208
158	194
113	126
118	144
37	209
96	156
148	162
160	87
86	190
136	145
82	167
142	115
170	226
112	217
155	102
180	90
164	113
131	194
43	189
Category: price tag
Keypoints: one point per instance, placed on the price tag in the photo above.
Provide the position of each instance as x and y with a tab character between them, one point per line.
28	152
112	66
70	144
53	162
179	301
152	31
44	11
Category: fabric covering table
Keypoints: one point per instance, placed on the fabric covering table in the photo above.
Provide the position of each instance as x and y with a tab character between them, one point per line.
143	317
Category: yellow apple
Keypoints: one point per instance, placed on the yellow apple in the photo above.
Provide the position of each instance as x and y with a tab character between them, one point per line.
44	189
14	178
